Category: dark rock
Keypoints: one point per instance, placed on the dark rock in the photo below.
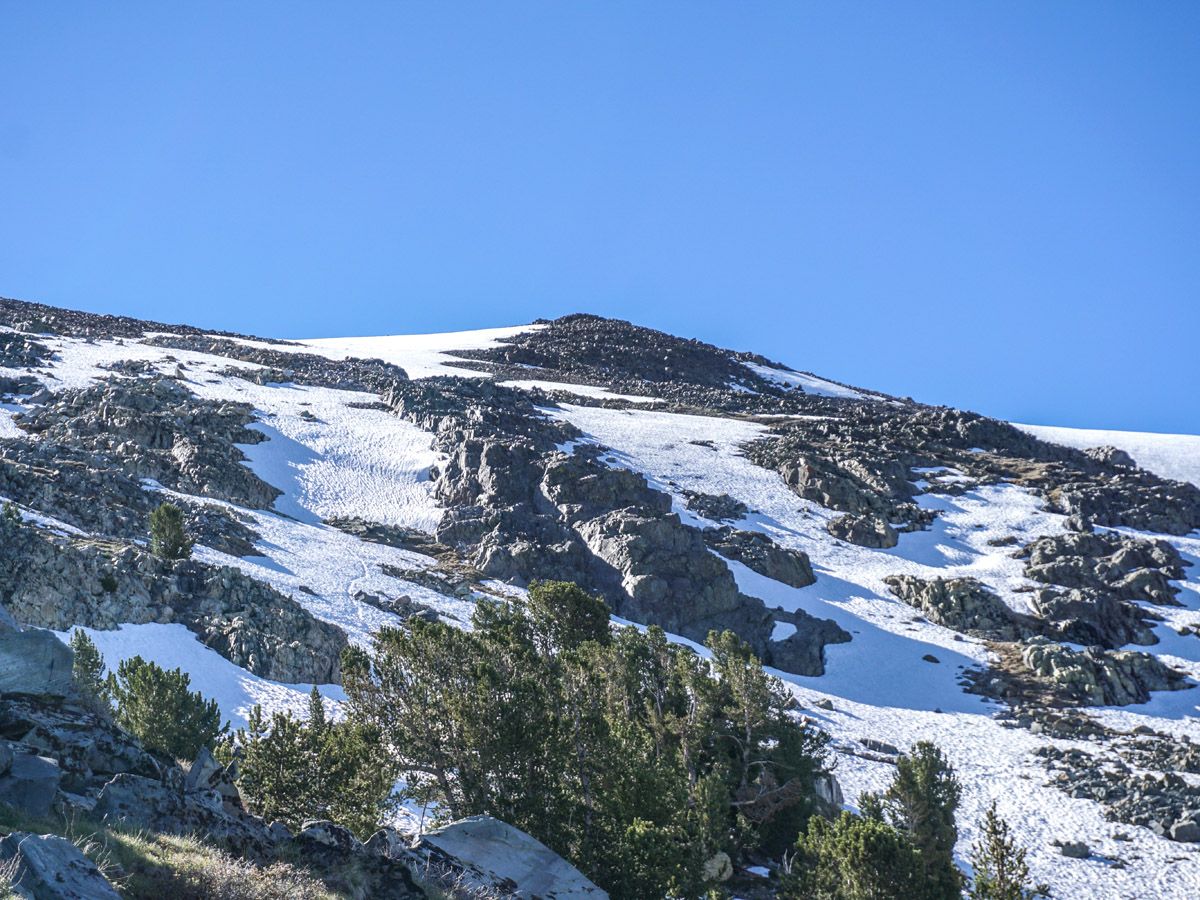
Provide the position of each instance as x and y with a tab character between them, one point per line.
718	507
31	782
1076	850
762	555
963	604
864	530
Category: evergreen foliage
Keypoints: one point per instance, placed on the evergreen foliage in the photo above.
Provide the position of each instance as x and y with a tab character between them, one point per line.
1000	869
168	536
88	670
630	756
854	858
920	803
292	770
157	707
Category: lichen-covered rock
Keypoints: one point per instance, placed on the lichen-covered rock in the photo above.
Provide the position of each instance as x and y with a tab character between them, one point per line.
963	604
1091	618
865	531
49	867
1098	677
717	507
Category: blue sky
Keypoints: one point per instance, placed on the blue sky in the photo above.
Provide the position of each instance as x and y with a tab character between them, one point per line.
987	205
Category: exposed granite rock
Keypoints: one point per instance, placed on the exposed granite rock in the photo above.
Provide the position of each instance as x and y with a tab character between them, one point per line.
291	367
57	581
32	661
156	428
1091	618
759	553
963	604
865	531
717	507
1098	677
19	351
1129	568
49	867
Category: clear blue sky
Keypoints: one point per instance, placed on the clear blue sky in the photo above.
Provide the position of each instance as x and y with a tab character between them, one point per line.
989	205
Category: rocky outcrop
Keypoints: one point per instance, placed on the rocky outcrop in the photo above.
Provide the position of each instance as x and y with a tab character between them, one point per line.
495	856
290	367
1091	618
865	531
963	604
1129	568
156	428
759	553
1097	677
49	867
717	507
32	661
60	581
19	351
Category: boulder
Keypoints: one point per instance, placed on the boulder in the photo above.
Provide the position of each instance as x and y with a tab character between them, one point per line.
33	661
1098	677
1076	850
963	604
48	867
31	782
760	554
1186	831
495	854
864	530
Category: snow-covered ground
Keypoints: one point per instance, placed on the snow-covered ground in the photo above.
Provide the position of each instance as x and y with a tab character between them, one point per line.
332	458
1169	455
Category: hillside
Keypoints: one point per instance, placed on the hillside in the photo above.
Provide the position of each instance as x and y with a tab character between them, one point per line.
1020	596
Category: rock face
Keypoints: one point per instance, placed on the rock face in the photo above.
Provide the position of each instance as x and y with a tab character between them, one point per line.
32	661
1129	568
28	782
497	855
56	581
963	604
866	531
1098	677
49	867
156	428
520	509
762	555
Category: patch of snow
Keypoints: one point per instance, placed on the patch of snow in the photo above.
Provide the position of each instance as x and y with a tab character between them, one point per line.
420	355
235	690
584	390
810	384
1174	456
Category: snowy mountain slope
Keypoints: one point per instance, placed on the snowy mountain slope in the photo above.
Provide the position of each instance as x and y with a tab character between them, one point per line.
1170	455
561	409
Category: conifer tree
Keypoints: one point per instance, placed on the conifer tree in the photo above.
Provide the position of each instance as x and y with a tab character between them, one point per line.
854	858
168	534
1001	872
920	803
88	670
157	707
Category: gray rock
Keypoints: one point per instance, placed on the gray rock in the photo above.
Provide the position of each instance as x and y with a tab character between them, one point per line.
49	867
33	661
1186	831
1099	677
504	855
1076	850
329	835
864	530
963	604
31	782
760	554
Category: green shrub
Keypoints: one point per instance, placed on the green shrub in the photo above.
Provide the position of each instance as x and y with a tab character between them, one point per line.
168	535
854	858
293	770
631	756
157	707
920	803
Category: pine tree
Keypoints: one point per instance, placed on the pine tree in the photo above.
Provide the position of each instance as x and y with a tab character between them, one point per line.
168	536
88	670
854	858
920	803
157	707
1000	869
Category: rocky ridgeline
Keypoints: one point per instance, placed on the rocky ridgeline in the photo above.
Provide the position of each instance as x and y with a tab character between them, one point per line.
289	367
519	509
61	760
61	581
158	429
37	318
629	359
